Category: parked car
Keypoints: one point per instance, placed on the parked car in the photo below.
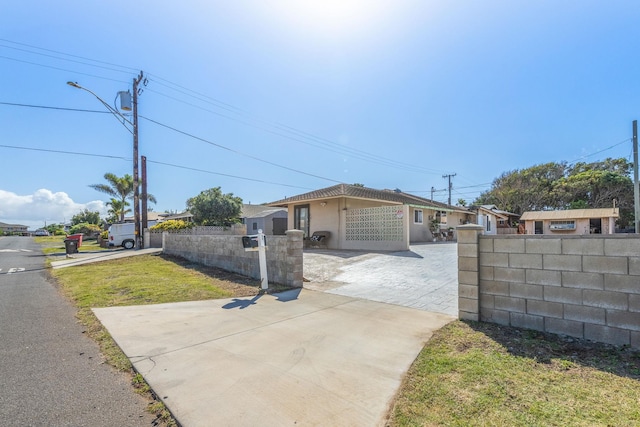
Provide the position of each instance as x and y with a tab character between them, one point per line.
41	232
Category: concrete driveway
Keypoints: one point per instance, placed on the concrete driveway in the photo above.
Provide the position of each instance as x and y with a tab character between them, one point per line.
425	277
301	357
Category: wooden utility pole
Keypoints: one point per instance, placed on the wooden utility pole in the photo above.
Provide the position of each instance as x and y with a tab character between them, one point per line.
450	186
145	222
136	183
636	190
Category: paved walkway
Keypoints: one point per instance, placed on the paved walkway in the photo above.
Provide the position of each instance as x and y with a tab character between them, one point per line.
301	357
426	277
91	257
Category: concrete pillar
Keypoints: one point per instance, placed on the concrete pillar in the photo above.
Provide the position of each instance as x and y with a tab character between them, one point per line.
469	272
294	258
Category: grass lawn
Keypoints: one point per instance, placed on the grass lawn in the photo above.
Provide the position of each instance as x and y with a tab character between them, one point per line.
477	374
143	279
55	244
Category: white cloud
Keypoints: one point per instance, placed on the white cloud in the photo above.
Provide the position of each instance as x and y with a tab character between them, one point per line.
42	206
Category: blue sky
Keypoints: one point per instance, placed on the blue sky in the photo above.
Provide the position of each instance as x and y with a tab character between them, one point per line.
286	96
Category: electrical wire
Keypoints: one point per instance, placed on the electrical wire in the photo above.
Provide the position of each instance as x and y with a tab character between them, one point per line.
62	69
106	156
236	151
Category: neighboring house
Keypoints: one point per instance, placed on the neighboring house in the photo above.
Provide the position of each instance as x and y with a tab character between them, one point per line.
571	221
13	228
365	218
272	221
494	220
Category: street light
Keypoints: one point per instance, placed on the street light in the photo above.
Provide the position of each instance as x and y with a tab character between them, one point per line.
125	102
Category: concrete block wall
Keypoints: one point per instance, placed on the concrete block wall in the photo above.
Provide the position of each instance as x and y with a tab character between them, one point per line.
582	286
284	254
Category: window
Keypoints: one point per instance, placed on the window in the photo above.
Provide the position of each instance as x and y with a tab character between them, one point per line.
443	217
562	225
255	225
488	219
417	216
301	219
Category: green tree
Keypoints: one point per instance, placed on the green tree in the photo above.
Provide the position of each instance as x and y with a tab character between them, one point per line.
211	207
86	216
120	188
560	186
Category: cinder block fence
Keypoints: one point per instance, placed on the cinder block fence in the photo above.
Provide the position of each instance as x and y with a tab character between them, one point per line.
284	254
581	286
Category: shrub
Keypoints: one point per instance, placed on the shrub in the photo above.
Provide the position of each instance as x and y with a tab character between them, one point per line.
172	225
86	229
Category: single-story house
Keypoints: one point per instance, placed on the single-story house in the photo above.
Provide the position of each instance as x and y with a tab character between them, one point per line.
272	221
494	220
571	221
357	217
13	228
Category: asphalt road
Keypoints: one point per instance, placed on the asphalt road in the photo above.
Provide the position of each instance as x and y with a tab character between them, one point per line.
51	374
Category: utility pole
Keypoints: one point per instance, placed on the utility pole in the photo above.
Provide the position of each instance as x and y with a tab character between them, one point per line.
636	190
432	191
450	186
145	222
136	183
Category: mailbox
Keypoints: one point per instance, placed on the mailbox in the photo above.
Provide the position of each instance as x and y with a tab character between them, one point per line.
250	242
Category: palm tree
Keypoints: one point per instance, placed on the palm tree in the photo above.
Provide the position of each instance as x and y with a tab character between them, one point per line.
120	188
117	210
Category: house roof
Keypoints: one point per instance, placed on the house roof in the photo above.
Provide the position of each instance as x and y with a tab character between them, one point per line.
5	225
357	192
570	214
258	211
495	211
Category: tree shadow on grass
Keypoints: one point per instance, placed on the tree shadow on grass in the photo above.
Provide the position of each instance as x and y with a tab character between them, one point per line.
547	348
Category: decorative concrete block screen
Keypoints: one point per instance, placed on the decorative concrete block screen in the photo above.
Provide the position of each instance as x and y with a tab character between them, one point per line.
284	254
581	286
384	228
155	237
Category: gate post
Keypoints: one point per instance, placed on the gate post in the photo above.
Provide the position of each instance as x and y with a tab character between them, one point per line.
468	272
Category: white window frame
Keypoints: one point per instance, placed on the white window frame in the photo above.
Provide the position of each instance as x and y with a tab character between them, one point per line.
418	219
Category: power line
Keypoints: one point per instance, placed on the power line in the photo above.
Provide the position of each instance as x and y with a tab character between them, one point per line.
75	153
62	69
339	148
237	152
53	108
186	134
106	156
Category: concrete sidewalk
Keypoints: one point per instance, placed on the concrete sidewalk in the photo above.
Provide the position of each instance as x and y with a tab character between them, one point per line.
91	257
300	357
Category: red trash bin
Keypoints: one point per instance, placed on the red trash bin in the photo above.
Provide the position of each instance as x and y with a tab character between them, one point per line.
77	237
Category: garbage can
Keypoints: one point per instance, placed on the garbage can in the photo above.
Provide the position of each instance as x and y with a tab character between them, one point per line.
76	237
71	246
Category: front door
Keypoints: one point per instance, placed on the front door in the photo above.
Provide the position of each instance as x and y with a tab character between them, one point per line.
301	219
538	227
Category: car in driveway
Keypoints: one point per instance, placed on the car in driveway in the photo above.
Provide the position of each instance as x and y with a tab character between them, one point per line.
41	232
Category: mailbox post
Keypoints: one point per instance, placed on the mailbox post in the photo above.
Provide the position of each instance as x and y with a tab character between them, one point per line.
257	242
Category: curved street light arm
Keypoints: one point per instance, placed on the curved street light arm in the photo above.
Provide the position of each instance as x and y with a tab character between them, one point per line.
112	110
